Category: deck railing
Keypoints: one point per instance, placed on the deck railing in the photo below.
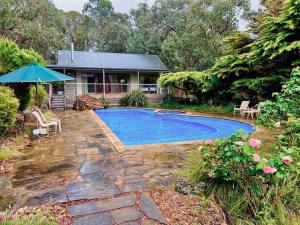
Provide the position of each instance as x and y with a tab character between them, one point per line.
110	88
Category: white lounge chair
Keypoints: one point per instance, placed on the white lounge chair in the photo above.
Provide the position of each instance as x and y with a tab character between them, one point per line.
56	120
254	112
244	106
43	125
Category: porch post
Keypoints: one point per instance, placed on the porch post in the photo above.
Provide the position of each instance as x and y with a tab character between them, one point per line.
103	81
138	80
64	83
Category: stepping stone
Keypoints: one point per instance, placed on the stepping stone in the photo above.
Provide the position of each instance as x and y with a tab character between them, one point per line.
125	215
102	205
134	187
149	208
88	151
91	189
51	196
97	219
96	176
93	166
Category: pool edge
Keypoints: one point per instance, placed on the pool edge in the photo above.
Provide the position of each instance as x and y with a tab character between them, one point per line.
120	147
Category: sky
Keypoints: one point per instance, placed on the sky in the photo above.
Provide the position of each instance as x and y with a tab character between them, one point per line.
123	6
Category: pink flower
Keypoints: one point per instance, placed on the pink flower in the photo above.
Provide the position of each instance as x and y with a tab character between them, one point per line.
213	163
256	158
255	143
278	125
238	143
208	142
209	174
287	159
298	118
269	170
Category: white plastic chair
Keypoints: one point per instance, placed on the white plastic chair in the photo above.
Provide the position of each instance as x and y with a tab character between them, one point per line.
43	125
244	106
252	112
56	120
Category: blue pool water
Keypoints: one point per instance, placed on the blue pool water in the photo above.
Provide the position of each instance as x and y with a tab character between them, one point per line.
145	126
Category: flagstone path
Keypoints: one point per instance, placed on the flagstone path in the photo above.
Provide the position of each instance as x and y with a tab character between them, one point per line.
101	186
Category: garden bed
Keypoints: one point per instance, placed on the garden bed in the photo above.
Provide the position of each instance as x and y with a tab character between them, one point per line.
186	209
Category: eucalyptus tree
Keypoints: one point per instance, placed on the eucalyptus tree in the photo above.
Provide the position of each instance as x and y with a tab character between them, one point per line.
187	34
109	30
33	23
79	29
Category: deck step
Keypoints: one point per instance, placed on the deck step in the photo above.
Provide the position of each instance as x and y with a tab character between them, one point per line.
57	102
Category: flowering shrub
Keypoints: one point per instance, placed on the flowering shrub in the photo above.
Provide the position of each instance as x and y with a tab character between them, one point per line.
237	159
243	181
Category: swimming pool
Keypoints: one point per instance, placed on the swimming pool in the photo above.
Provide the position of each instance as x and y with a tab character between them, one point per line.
145	126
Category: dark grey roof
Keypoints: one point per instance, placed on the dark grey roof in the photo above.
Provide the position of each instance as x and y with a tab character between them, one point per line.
103	60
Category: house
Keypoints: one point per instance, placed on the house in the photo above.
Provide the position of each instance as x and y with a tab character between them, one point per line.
106	74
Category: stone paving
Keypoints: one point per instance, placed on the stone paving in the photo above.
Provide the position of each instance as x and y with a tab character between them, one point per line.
100	185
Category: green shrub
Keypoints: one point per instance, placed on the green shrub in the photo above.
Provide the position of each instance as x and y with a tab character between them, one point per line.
286	103
38	95
134	98
9	105
23	94
105	102
265	191
183	104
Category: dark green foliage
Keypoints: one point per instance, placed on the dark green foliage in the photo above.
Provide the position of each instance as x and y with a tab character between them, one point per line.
193	104
252	68
22	92
9	105
35	24
38	95
135	98
285	104
255	89
186	34
197	84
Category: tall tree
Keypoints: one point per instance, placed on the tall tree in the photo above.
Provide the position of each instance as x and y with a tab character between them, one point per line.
110	30
80	29
98	9
187	34
33	23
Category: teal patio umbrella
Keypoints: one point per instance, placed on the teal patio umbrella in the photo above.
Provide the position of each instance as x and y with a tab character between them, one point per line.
34	73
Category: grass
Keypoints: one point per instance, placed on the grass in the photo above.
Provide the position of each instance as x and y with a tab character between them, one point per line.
6	154
225	109
44	215
41	218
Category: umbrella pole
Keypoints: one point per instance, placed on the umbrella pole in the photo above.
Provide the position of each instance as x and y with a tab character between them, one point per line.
36	96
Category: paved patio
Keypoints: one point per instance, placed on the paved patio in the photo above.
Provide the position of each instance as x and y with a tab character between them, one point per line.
80	167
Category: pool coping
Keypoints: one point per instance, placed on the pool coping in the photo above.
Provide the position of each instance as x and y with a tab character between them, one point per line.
120	147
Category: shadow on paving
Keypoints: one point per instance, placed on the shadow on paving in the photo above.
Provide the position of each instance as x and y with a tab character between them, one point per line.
80	167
